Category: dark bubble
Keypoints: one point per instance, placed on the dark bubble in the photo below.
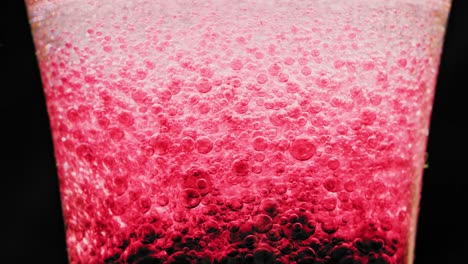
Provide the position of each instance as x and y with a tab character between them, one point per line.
350	260
293	218
296	227
340	252
275	233
306	252
179	258
375	259
149	260
263	256
262	223
211	227
234	204
329	226
249	241
270	207
146	234
366	246
138	252
190	198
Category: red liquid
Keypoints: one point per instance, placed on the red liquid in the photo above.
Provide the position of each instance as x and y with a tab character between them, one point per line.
240	133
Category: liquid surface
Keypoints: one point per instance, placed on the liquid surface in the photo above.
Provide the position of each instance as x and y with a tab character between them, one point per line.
239	132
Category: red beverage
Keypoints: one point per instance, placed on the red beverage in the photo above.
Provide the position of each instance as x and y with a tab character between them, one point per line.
239	131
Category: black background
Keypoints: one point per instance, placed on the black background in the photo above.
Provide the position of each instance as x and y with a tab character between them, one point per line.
33	231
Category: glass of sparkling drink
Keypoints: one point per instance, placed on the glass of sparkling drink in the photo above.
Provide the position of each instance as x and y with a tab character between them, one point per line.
239	131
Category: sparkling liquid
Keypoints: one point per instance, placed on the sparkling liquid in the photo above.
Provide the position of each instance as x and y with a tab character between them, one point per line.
239	131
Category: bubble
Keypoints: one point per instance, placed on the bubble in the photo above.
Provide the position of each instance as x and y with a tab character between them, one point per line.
103	122
294	111
279	168
329	204
275	233
262	223
259	156
117	206
282	144
264	256
292	87
375	99
315	107
236	83
329	226
210	209
341	252
366	246
204	145
355	124
342	129
381	78
274	69
160	144
144	204
259	55
162	200
315	53
331	184
249	241
283	77
193	99
257	168
278	118
190	198
240	167
203	186
260	143
333	163
270	207
163	94
236	64
116	133
204	85
302	149
241	106
262	78
120	185
204	107
146	234
234	204
293	218
211	227
368	117
280	189
85	152
343	196
187	144
349	186
206	72
288	61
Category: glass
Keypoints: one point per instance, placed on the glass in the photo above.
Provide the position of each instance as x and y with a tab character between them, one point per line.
239	131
